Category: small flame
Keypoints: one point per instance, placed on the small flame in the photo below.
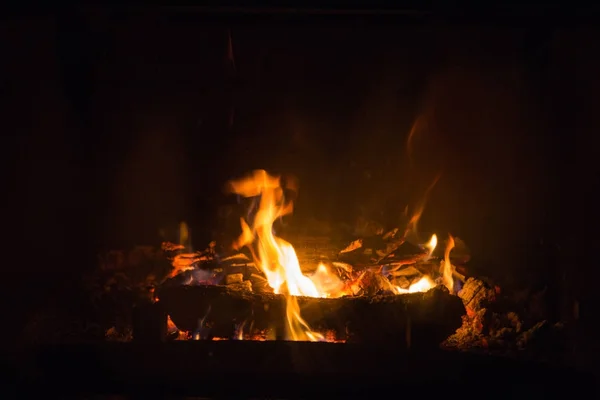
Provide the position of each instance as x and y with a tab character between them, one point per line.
431	245
201	332
447	268
422	285
239	330
297	328
171	327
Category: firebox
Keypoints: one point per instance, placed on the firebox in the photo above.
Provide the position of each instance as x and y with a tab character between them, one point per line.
314	203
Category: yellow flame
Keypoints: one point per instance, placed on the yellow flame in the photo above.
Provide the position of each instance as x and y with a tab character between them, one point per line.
327	283
279	262
431	245
447	268
422	285
276	257
297	328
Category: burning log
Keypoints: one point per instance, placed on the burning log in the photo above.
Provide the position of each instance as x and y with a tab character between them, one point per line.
413	320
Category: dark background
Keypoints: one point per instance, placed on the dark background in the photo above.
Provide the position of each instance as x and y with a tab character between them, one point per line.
119	123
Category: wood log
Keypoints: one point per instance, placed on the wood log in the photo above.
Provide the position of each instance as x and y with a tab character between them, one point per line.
476	294
416	319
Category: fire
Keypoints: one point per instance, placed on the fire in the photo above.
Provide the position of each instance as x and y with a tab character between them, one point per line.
425	283
328	284
447	269
431	245
279	262
422	285
276	257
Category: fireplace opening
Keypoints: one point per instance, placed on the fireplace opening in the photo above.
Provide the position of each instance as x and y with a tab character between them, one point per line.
266	203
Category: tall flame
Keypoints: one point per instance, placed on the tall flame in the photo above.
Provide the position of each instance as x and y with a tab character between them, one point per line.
447	268
276	257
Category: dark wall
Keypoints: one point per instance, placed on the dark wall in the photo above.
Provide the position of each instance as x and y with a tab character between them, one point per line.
45	210
121	126
573	96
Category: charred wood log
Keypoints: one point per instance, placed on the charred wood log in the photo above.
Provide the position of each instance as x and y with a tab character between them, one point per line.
413	320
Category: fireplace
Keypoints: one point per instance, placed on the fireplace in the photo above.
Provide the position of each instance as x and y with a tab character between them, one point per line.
323	199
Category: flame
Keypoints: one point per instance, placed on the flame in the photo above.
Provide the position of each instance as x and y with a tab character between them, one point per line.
431	245
425	283
422	285
279	262
171	327
297	328
329	284
276	257
447	268
239	334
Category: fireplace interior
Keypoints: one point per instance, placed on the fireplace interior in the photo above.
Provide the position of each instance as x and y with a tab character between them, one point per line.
263	203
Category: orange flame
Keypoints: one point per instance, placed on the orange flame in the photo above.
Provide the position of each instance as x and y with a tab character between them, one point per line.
279	262
276	257
447	268
431	245
422	285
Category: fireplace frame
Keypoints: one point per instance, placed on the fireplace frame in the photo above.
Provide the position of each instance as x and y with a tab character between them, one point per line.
280	369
